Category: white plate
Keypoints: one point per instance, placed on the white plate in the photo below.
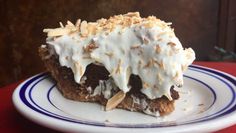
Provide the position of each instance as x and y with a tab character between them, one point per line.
207	103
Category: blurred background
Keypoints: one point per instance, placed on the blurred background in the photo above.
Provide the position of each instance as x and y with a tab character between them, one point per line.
208	26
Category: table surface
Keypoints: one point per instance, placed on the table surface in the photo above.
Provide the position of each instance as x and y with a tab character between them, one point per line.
11	121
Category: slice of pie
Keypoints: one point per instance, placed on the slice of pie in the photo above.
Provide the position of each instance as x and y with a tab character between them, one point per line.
126	62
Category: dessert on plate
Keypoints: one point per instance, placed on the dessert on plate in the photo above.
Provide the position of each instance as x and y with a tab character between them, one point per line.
126	62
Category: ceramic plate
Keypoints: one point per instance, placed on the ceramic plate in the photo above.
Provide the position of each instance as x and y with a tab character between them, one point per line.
207	103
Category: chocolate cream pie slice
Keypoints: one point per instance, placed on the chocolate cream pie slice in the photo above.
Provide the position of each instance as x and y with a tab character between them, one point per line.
126	62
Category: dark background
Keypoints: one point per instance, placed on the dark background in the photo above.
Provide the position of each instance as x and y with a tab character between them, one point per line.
200	24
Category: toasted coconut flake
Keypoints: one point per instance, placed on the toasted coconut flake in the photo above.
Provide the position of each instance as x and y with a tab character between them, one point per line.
78	68
161	65
169	23
102	22
146	85
150	63
136	20
70	23
81	70
201	104
145	41
128	72
140	52
158	49
135	46
46	30
90	47
176	76
161	34
92	28
155	62
171	44
57	32
109	54
77	24
139	64
118	67
147	65
83	28
133	14
159	77
109	25
86	57
148	25
115	100
183	67
61	24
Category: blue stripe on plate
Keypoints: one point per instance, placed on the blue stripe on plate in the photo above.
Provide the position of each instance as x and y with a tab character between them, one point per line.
233	81
31	99
222	75
23	89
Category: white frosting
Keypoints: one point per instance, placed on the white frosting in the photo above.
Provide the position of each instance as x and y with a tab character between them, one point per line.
135	99
154	53
105	88
149	112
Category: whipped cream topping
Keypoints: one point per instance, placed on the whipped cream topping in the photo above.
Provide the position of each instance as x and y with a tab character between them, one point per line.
124	45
